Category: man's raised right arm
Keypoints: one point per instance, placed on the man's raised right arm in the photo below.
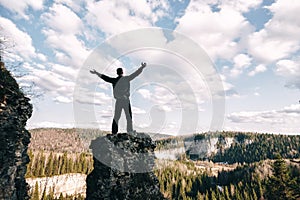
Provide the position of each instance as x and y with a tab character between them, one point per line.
104	77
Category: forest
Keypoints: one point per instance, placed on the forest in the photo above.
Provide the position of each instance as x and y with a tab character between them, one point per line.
255	166
243	183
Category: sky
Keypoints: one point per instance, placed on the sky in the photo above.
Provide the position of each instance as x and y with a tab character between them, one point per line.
211	65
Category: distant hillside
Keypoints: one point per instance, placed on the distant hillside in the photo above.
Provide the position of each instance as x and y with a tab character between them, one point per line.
73	140
234	147
227	147
63	140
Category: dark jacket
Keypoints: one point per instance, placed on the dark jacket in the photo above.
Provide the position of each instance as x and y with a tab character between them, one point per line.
121	84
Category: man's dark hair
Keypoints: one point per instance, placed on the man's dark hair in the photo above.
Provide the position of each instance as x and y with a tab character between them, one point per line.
119	71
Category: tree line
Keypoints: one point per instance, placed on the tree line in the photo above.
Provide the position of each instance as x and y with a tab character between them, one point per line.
36	195
258	147
50	164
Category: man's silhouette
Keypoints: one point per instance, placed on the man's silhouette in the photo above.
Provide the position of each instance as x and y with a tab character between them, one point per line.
121	90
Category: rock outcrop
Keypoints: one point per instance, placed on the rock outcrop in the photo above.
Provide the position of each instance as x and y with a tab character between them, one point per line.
15	110
123	168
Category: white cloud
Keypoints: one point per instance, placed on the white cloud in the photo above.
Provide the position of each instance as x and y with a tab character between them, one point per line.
50	82
74	49
86	96
292	109
287	68
145	93
103	86
113	17
229	89
281	34
165	108
290	70
266	48
63	99
64	71
241	5
166	100
76	5
21	7
63	27
227	86
42	57
218	32
136	110
258	69
142	125
106	113
280	120
163	95
62	19
50	124
241	61
21	41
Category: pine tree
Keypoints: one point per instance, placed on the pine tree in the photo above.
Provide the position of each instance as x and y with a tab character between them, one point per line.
279	184
35	194
55	166
41	167
49	165
61	197
207	196
50	196
70	165
199	196
237	194
84	165
29	165
213	195
35	166
260	189
64	164
226	193
254	196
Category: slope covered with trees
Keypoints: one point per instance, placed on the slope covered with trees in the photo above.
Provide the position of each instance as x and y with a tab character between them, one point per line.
261	147
184	181
244	147
50	164
256	166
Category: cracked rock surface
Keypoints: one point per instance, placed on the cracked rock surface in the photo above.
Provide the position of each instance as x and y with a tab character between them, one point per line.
15	110
123	168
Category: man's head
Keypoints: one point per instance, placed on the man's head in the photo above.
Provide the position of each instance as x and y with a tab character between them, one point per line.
120	71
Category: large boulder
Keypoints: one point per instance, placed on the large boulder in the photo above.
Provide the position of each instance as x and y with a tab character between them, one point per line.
123	168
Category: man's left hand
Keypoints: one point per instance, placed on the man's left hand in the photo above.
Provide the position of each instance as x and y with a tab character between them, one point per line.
143	65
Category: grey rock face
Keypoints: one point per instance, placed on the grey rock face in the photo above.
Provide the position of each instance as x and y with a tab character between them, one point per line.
15	110
123	165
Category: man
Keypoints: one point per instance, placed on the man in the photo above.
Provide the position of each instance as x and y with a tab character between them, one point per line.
121	90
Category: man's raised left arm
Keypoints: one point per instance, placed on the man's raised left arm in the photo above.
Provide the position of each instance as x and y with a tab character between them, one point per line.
137	72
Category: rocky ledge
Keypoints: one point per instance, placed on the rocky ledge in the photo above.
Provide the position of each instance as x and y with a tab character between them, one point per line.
15	110
123	168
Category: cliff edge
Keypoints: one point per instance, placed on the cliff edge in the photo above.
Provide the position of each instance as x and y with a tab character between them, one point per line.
123	168
15	110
